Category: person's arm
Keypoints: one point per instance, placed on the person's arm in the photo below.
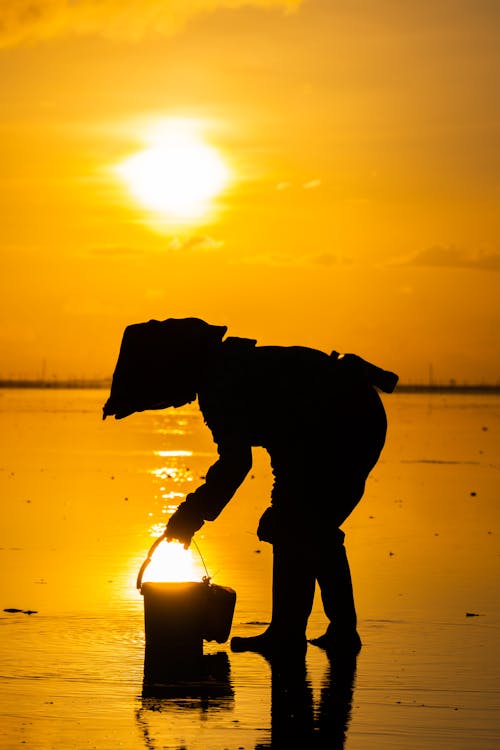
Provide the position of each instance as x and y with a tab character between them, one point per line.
208	500
222	480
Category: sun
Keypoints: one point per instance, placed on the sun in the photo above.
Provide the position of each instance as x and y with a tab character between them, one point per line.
178	174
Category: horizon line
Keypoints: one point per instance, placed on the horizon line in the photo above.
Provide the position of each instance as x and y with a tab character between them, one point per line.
105	382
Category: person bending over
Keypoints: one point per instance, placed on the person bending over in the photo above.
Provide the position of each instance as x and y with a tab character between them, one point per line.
321	420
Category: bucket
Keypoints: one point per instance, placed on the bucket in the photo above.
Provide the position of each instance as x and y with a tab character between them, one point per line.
178	616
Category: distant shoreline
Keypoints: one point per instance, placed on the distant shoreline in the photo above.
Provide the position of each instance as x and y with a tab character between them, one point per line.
73	383
447	388
81	384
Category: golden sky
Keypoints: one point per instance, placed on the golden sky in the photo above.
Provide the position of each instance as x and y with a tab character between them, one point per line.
359	206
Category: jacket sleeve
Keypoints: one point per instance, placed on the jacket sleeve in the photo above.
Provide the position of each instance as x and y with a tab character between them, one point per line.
222	480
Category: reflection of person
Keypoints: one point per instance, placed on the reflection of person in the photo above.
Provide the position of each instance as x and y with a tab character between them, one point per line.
295	720
323	424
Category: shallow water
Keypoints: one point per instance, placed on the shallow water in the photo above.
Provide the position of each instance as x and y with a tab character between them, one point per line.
79	500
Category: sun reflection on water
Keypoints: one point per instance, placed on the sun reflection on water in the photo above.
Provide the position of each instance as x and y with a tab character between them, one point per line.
173	473
173	454
171	562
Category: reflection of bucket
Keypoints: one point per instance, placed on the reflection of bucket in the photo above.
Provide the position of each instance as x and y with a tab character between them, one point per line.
177	617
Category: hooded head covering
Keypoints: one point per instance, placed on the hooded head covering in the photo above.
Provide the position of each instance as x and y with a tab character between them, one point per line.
160	363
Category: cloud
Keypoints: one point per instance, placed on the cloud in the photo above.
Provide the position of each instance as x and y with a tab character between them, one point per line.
331	259
311	185
195	243
33	20
325	259
450	256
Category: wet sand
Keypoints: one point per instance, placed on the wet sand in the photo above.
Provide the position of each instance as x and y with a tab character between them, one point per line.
79	498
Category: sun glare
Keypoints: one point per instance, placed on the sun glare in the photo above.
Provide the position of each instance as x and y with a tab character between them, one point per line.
178	174
171	562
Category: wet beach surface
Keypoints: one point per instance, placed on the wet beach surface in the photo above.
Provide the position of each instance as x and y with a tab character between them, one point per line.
80	499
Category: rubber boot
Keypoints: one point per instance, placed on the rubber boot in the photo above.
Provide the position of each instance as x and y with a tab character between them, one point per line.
293	594
334	578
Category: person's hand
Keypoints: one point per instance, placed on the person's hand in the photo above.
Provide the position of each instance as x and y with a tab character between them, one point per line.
183	524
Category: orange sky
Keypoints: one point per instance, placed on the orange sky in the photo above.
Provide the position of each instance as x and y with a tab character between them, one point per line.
363	210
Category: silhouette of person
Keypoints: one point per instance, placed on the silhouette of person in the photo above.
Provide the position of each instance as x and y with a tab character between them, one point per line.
320	418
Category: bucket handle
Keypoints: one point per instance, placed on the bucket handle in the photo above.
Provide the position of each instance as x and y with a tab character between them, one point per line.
146	562
156	543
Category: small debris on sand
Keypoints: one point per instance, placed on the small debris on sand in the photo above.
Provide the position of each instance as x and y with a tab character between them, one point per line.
472	614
